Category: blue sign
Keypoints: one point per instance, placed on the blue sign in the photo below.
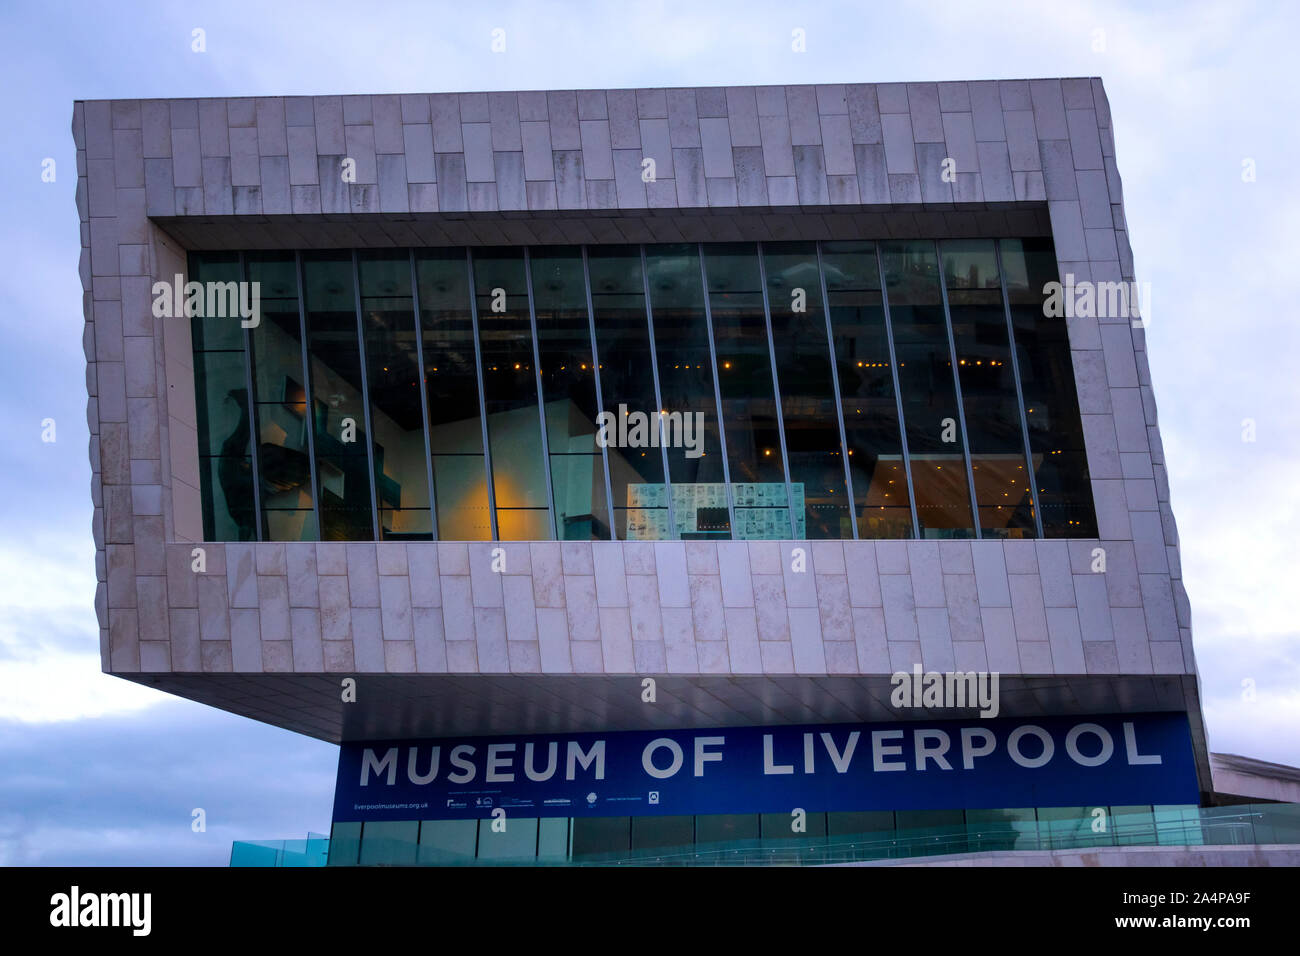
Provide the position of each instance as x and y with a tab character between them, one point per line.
1127	759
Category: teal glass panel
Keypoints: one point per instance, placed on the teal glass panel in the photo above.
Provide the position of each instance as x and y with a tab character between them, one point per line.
447	842
782	826
345	844
552	839
601	837
517	843
663	833
390	842
727	828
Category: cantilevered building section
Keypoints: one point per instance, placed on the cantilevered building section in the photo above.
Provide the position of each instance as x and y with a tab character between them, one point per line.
587	462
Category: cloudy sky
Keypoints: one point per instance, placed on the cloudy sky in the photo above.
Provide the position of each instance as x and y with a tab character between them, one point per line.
98	770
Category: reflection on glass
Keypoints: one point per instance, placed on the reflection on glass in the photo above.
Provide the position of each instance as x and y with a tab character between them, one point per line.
283	452
393	377
749	412
451	384
627	385
867	396
803	372
510	396
1047	383
925	381
221	394
569	394
339	421
690	420
988	389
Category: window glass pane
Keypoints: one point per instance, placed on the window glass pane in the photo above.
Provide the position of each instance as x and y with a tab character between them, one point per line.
1051	402
393	377
221	405
281	401
1001	829
447	842
925	379
779	826
871	824
627	385
345	843
726	828
338	413
214	325
451	378
988	389
690	427
762	505
569	394
803	372
595	837
553	839
510	393
662	833
389	842
1065	827
517	842
911	820
867	395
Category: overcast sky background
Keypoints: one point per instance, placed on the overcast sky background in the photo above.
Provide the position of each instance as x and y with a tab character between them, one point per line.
97	770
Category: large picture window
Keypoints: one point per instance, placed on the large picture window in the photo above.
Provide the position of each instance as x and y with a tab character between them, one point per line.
781	390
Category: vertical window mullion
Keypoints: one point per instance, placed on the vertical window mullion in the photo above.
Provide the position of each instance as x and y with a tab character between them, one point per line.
1020	395
956	380
482	400
541	399
310	412
659	401
600	400
835	384
252	411
717	397
424	395
898	393
776	395
365	398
